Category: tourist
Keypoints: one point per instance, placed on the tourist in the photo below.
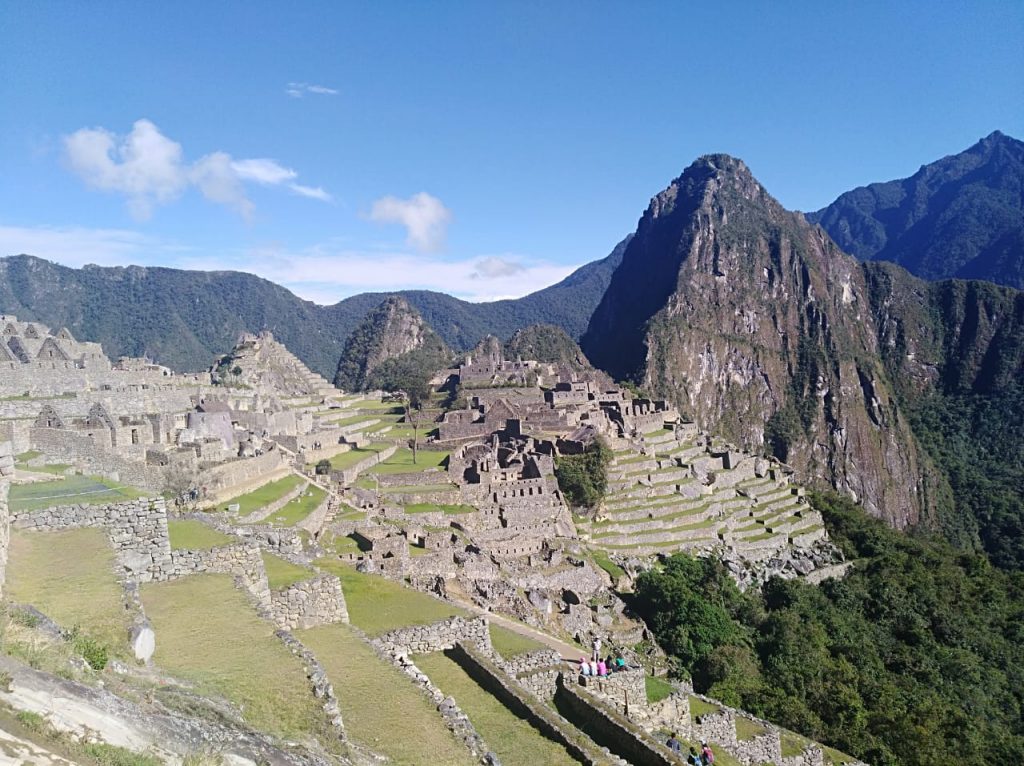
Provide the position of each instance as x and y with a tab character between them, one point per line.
694	758
620	663
593	668
674	744
706	752
584	667
602	669
597	649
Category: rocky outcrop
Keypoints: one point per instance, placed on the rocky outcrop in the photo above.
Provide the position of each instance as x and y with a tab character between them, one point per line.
757	326
392	330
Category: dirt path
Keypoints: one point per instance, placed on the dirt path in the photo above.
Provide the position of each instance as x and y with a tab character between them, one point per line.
567	650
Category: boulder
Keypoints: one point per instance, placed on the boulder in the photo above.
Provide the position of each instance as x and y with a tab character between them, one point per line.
143	641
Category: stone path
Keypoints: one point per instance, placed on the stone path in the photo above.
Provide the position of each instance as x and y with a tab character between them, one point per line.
568	651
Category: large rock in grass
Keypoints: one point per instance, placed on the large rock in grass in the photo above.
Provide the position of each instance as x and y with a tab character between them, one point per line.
143	641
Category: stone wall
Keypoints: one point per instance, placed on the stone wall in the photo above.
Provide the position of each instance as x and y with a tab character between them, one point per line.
137	530
610	729
624	690
349	475
309	603
225	478
317	676
242	560
6	472
437	636
78	449
516	699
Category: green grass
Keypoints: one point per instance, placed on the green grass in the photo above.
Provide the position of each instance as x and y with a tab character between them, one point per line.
657	688
602	559
80	490
343	544
349	420
409	489
747	729
69	576
377	605
298	509
207	633
348	459
401	461
259	498
195	535
57	469
508	643
436	508
699	707
24	457
381	708
281	573
792	743
834	756
512	738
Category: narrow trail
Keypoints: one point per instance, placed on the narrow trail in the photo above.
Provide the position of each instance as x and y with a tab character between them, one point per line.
568	651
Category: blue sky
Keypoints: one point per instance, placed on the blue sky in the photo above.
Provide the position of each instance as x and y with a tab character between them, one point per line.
483	148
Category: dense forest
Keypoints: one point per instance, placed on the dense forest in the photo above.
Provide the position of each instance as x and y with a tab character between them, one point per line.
915	658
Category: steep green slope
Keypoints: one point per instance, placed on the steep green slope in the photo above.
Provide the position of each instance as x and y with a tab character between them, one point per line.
962	216
916	657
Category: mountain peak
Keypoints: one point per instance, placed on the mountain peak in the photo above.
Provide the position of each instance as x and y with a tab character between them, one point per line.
961	216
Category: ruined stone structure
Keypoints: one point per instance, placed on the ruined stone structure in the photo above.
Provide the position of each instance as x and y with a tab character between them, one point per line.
6	472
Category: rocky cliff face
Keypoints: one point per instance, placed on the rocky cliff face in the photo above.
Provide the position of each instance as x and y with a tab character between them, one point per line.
391	330
753	322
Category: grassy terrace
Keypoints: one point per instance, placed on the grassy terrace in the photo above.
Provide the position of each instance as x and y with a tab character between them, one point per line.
401	461
435	508
80	490
259	498
69	575
209	635
602	559
187	534
509	644
382	710
513	739
377	605
281	573
657	688
348	420
348	459
298	509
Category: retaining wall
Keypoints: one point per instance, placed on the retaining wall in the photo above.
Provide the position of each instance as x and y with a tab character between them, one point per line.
516	699
6	472
610	729
309	603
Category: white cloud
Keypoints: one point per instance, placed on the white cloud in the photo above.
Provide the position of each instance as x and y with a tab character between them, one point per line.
495	267
263	171
326	275
145	165
424	217
313	192
300	89
216	176
149	169
323	273
76	246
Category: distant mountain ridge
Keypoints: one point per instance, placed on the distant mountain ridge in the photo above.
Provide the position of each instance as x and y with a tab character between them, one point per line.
959	217
185	318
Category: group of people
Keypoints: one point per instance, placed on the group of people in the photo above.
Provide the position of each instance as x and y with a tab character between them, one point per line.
602	667
703	758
